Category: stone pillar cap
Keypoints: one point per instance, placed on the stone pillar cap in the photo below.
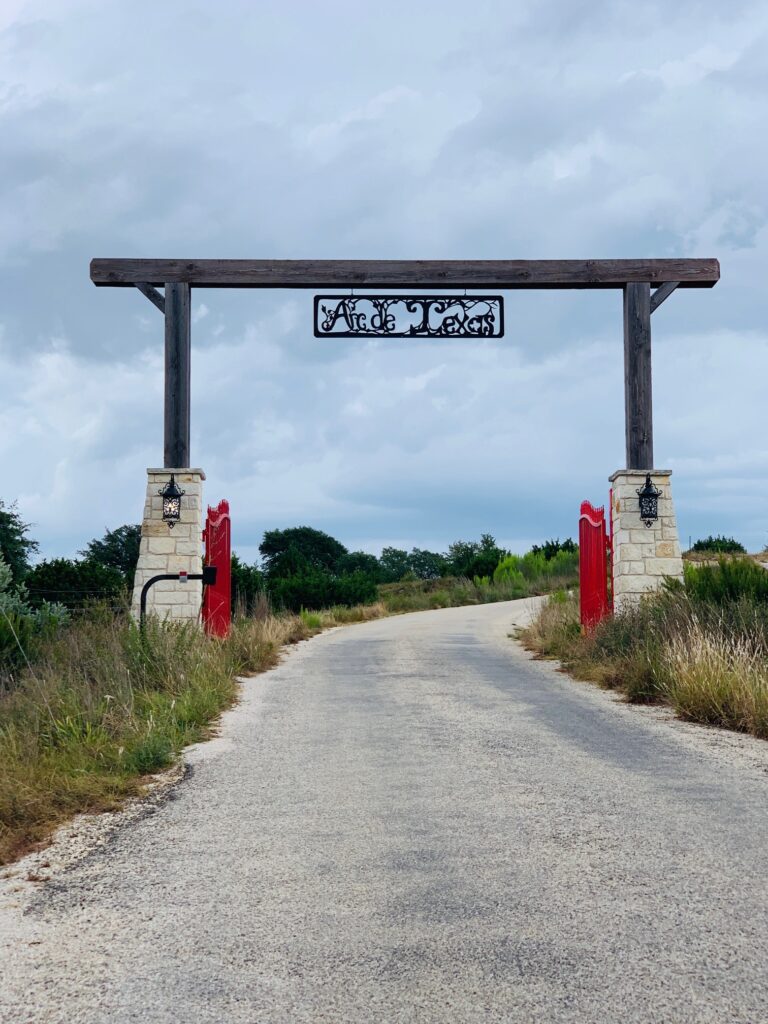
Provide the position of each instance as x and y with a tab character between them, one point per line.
639	472
176	470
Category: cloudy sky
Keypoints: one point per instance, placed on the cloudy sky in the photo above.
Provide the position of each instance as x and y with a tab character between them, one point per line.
289	128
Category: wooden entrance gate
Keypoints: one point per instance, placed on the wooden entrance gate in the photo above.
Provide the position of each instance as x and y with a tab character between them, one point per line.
645	285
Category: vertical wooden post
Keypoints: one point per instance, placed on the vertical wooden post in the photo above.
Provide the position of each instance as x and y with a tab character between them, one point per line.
177	374
638	396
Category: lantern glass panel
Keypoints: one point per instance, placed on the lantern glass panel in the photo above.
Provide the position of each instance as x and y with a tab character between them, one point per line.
171	495
649	502
172	509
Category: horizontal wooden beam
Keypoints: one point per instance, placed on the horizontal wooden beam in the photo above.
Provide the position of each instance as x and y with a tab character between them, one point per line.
484	274
154	296
662	293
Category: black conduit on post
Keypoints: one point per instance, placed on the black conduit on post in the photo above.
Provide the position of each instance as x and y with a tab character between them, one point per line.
208	576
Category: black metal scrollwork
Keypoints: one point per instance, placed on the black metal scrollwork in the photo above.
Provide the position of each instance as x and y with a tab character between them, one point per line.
409	316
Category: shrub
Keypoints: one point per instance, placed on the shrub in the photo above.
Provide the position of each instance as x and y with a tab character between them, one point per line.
20	624
719	545
551	548
312	620
534	573
727	581
74	583
248	587
473	558
692	647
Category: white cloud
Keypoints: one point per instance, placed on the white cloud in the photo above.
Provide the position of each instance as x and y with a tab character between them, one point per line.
536	129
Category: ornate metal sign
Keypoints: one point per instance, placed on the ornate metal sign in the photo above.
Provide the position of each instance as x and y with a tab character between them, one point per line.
409	316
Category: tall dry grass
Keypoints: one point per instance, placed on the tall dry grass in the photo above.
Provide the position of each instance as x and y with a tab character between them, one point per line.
717	679
707	659
104	704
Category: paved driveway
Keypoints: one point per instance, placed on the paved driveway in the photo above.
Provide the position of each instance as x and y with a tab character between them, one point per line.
409	820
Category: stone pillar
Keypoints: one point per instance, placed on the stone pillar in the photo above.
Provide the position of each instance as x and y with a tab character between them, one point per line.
171	550
642	556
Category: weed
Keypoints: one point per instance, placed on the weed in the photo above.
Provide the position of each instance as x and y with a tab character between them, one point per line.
104	704
691	647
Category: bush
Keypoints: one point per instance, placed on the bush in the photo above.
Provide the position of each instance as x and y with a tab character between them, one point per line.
105	703
21	626
74	583
472	558
727	582
551	548
537	574
703	648
720	545
248	587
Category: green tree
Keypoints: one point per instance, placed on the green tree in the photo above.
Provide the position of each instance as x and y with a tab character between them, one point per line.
394	564
15	545
551	548
427	565
117	549
286	551
473	558
359	561
248	585
309	587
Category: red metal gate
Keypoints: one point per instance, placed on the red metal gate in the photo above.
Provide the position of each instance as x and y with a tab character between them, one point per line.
217	599
593	565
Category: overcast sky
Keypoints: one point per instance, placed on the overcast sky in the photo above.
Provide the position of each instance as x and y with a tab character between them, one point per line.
280	128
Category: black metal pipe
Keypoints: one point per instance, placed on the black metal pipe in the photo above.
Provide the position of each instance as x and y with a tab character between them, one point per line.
208	576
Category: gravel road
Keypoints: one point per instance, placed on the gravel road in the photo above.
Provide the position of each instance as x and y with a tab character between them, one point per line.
410	820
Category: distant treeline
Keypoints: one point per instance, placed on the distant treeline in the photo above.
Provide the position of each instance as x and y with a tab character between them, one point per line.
302	567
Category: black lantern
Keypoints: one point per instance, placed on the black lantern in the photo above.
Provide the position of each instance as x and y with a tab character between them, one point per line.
649	502
171	495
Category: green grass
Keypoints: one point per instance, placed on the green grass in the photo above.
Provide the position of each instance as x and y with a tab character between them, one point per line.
104	705
701	648
450	592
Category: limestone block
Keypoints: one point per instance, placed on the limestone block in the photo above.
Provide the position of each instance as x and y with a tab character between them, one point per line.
626	568
162	545
176	598
633	584
667	549
632	552
190	548
154	527
643	584
642	536
180	563
664	566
